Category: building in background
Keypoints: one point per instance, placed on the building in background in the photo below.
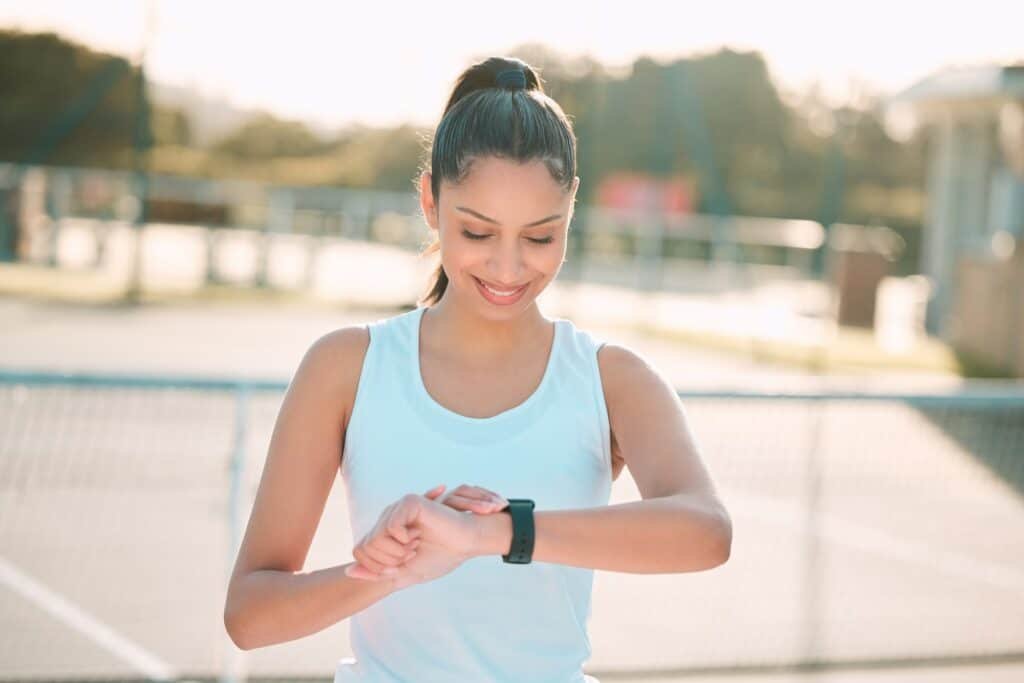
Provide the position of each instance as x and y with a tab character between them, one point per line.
973	240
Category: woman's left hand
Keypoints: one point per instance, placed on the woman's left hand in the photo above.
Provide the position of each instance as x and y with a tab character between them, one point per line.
419	538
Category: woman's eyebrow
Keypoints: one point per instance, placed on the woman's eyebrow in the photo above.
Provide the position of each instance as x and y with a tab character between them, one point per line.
491	220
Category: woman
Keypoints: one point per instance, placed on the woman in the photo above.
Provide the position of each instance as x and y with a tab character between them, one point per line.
524	420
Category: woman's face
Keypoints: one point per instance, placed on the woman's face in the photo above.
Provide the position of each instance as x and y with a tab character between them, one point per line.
503	227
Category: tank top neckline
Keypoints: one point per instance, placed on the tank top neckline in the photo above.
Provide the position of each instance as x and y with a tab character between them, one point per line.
506	421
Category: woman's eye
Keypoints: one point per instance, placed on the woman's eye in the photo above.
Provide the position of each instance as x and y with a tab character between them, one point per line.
474	236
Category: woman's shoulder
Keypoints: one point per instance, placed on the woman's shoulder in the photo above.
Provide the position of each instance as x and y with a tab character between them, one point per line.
619	363
336	358
339	355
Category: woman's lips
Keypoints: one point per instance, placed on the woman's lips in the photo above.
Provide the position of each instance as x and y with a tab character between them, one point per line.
498	298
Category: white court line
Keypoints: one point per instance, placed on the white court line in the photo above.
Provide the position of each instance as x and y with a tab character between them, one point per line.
844	533
74	617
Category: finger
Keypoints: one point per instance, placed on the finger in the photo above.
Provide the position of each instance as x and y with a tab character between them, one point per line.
472	504
399	533
495	497
401	520
479	493
467	491
385	549
486	494
368	561
396	527
413	534
384	563
435	492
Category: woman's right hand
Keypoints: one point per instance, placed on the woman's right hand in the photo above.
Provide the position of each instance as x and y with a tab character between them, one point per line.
398	551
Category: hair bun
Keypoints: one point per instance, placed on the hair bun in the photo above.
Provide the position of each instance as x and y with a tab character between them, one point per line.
512	79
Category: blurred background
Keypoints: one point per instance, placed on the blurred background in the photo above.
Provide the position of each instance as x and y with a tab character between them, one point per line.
808	217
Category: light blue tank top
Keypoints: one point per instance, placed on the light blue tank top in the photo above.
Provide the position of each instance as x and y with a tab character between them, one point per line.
486	621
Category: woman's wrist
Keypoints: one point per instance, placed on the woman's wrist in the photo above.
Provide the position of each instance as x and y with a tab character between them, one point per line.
495	534
378	588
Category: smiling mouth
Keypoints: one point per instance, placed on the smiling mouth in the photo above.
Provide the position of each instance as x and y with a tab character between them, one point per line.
501	292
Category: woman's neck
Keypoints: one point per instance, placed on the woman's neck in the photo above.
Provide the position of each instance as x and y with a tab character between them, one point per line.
480	341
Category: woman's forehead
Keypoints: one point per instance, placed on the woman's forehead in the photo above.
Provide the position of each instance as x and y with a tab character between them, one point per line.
530	181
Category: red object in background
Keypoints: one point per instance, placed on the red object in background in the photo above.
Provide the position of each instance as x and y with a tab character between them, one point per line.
677	194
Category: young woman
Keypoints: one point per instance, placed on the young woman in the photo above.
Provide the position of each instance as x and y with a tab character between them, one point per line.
512	426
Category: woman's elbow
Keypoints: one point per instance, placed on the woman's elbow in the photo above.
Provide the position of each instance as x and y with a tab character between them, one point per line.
234	622
724	537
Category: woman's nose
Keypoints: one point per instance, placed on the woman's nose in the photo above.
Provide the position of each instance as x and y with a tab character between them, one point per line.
507	263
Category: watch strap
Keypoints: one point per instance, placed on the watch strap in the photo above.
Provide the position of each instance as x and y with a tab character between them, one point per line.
521	549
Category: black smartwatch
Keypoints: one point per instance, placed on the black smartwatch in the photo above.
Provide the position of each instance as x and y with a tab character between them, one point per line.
521	550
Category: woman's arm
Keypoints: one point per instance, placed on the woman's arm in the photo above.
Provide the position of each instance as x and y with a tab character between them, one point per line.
661	535
681	525
269	606
269	599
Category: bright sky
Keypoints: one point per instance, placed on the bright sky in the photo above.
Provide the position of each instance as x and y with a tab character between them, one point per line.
384	62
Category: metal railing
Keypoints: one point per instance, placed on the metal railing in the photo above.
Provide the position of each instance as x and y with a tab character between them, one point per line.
607	239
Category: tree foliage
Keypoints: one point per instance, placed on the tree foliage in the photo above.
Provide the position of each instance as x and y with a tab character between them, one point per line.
717	117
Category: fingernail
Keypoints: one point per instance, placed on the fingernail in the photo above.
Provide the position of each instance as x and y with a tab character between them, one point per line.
389	571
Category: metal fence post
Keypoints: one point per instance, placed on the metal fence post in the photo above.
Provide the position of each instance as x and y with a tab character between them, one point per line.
60	206
812	578
234	659
280	219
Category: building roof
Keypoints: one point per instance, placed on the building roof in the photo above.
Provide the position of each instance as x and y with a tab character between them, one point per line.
965	83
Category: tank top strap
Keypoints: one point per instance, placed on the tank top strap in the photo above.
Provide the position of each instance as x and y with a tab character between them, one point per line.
580	357
378	380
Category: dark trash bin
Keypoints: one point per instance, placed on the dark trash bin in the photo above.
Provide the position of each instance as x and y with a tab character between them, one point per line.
859	257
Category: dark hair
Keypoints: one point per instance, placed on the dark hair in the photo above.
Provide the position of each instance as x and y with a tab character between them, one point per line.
485	118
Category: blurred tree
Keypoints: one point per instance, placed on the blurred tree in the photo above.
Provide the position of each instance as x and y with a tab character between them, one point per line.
67	104
64	102
171	127
266	136
388	155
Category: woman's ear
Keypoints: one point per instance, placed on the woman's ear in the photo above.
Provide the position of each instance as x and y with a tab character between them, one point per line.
427	204
572	195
